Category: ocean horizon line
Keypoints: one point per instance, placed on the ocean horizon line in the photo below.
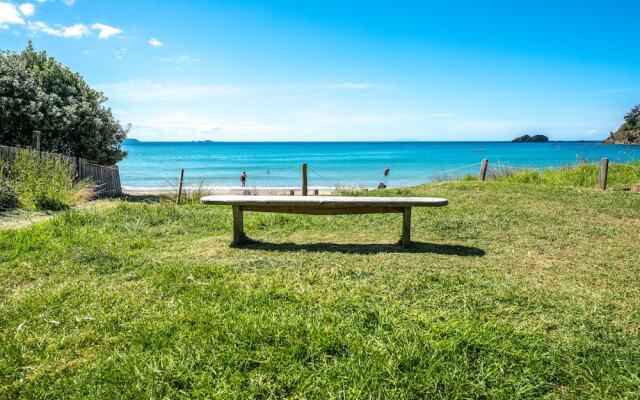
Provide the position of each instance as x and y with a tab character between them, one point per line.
134	140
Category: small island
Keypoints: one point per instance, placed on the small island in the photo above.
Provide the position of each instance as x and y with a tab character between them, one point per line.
131	141
531	139
629	131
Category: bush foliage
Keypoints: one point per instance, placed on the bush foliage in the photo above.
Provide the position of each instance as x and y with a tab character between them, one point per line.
8	198
39	93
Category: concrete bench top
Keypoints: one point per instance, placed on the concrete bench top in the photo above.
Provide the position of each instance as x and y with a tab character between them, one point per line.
321	201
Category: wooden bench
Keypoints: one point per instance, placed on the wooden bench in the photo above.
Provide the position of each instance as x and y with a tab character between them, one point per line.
322	205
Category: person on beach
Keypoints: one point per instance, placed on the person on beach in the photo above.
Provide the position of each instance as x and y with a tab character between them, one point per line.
243	179
386	171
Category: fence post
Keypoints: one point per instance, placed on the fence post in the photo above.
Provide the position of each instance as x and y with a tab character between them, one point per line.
604	171
304	179
483	169
118	184
37	140
180	186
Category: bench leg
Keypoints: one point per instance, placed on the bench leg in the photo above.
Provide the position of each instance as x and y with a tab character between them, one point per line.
406	227
238	229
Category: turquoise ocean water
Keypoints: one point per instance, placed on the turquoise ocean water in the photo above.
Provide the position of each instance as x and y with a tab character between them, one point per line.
277	164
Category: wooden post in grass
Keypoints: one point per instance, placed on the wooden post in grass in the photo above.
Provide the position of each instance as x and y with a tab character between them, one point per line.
180	182
604	171
406	227
304	179
238	226
483	169
37	140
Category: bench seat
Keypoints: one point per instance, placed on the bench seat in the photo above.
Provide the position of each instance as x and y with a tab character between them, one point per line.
321	205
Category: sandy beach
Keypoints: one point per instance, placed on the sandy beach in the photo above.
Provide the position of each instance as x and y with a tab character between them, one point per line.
237	190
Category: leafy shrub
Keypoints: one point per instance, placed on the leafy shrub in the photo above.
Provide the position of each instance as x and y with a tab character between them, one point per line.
38	92
8	198
44	182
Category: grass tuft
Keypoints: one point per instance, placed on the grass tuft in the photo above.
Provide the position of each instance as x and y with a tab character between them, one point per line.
620	176
45	182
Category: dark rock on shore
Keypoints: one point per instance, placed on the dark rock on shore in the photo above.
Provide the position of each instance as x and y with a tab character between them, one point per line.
624	135
627	140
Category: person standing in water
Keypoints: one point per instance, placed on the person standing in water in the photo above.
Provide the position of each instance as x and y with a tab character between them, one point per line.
386	171
243	179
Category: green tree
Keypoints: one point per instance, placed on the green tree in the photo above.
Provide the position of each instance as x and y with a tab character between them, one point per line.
39	93
633	117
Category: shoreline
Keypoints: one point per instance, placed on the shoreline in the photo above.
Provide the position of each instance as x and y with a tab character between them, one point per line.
238	190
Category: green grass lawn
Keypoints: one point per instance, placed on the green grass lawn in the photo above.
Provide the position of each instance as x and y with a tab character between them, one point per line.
513	291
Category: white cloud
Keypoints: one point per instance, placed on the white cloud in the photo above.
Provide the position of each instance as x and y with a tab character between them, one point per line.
155	42
106	31
27	9
9	15
182	59
73	31
148	91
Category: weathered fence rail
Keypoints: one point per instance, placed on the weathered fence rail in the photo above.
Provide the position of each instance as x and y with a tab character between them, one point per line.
107	178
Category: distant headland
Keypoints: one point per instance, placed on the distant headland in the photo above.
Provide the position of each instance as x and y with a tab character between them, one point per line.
531	139
629	131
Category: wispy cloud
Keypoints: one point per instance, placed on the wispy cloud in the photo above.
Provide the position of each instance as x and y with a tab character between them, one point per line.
120	53
149	91
628	89
328	86
9	15
186	125
143	90
73	31
182	59
323	116
106	31
155	42
66	2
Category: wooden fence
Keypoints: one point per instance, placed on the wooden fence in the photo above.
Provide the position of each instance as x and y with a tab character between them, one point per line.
107	178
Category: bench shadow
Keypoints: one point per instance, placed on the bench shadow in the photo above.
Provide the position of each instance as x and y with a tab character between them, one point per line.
141	198
416	247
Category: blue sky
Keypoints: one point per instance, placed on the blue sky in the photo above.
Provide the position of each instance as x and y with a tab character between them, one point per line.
338	70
